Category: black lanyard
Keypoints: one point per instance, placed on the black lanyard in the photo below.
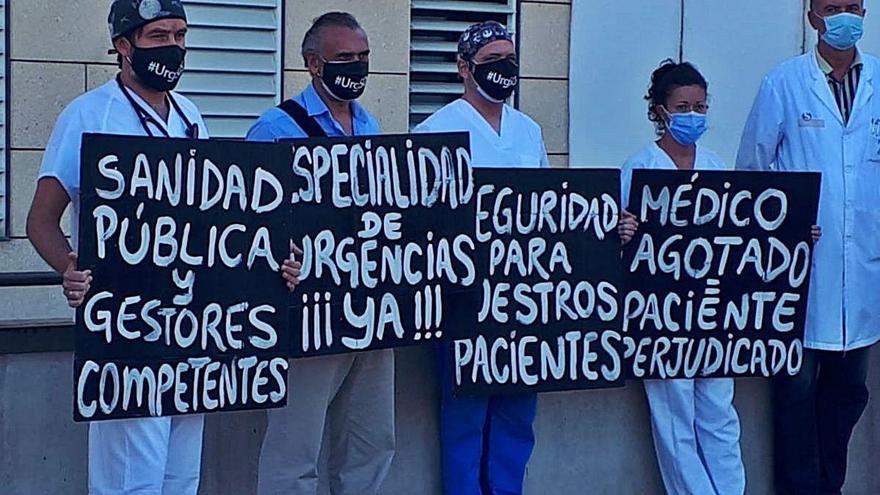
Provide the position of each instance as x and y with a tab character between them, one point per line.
192	130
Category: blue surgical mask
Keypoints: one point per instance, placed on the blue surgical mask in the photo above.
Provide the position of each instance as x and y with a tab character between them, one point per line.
843	31
687	128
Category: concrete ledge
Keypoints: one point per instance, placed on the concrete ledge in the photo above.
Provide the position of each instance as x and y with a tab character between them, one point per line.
588	442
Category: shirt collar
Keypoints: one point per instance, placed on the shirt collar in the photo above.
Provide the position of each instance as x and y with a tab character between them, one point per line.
315	106
826	68
154	118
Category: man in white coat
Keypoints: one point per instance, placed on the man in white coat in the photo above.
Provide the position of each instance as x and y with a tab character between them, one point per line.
821	112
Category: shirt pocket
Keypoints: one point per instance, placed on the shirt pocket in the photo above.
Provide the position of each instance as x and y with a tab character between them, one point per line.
872	148
866	236
872	153
866	181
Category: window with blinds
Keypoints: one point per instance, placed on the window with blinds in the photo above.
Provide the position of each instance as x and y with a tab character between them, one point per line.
436	26
4	129
233	62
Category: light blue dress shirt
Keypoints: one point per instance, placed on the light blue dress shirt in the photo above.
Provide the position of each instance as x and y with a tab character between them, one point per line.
275	124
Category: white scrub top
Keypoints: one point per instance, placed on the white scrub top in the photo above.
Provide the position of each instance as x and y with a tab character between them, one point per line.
652	157
520	143
105	110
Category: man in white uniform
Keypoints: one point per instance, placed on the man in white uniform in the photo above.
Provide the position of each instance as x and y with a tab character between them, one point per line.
153	456
487	442
821	112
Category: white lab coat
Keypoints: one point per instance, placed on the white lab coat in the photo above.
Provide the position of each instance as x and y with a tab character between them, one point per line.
795	125
149	456
695	426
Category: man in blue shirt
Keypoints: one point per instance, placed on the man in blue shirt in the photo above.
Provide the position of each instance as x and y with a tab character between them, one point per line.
356	390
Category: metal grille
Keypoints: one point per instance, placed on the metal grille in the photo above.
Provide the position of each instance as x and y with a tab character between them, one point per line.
436	26
234	61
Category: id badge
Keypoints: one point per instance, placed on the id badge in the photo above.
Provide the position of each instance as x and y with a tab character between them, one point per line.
807	120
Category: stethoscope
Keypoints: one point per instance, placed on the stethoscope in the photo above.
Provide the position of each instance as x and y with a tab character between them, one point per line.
192	130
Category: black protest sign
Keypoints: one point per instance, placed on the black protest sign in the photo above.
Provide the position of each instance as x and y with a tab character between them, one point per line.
383	222
549	273
187	312
718	273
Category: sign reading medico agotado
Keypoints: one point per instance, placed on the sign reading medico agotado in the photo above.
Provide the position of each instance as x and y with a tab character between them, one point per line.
719	273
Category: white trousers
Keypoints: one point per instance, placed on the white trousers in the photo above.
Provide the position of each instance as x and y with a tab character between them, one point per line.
696	435
150	456
352	395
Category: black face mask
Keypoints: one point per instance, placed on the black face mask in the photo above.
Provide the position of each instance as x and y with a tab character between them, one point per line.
159	68
345	81
496	80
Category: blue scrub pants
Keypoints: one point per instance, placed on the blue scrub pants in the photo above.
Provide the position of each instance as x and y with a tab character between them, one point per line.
486	441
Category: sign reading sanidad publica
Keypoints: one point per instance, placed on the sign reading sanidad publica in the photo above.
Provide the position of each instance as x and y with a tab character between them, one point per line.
187	312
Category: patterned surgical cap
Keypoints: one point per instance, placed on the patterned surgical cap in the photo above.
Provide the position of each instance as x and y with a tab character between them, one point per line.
479	35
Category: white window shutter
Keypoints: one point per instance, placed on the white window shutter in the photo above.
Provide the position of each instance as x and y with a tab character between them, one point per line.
436	27
233	62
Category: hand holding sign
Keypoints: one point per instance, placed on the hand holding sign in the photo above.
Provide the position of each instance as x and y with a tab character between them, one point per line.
816	233
76	283
291	269
627	227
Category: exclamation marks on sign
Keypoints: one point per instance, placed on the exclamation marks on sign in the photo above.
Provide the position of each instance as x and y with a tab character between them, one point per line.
313	322
429	313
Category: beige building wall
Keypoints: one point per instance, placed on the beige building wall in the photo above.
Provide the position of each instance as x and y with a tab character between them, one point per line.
544	45
59	50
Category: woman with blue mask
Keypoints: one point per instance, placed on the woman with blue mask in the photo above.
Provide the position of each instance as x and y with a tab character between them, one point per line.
694	423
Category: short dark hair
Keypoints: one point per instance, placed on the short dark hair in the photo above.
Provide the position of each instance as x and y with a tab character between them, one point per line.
666	79
312	39
130	36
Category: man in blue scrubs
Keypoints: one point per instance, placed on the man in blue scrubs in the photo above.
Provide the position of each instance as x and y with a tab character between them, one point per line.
487	441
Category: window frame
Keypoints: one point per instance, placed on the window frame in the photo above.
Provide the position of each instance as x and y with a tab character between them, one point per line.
279	50
512	21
